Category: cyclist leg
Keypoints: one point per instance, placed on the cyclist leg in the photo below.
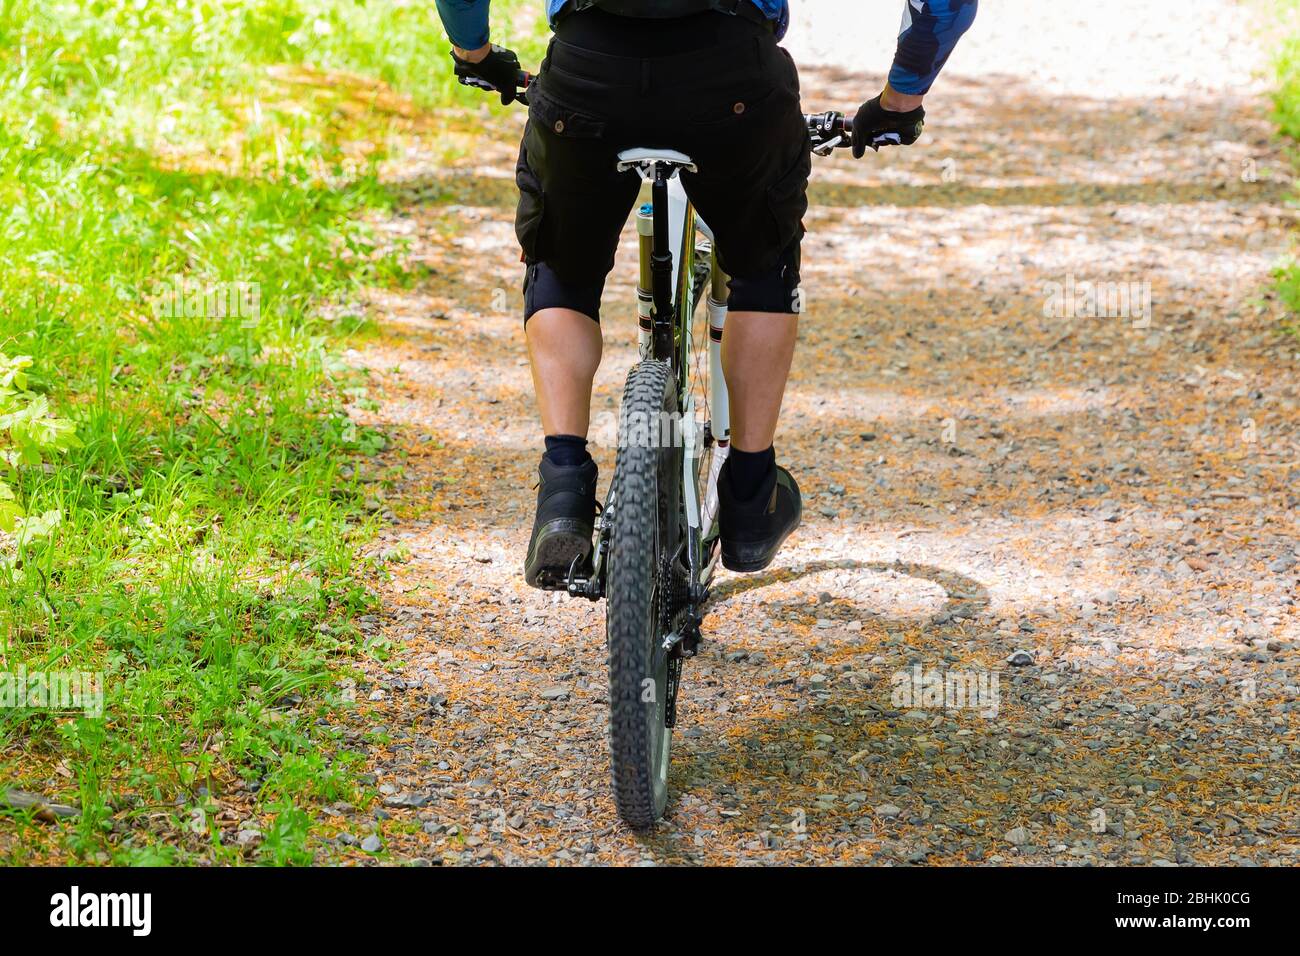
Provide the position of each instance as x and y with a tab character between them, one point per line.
757	349
573	204
752	190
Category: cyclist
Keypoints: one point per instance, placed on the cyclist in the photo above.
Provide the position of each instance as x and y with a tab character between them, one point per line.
707	78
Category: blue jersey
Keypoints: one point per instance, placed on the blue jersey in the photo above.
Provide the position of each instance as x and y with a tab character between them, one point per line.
930	30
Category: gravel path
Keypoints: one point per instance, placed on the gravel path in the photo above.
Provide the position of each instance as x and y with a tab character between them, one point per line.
1099	514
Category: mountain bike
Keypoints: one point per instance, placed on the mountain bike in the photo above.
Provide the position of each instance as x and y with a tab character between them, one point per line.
656	548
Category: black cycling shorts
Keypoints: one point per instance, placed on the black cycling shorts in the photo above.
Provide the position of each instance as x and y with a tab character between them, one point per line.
732	107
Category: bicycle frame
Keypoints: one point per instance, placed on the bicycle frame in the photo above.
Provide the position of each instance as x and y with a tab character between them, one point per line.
667	308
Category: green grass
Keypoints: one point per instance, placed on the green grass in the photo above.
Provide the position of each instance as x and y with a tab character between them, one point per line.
1286	111
207	557
1286	98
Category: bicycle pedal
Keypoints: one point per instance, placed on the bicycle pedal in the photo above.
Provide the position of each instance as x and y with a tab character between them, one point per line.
580	582
551	581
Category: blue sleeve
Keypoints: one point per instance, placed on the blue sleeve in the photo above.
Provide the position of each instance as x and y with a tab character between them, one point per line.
930	30
466	22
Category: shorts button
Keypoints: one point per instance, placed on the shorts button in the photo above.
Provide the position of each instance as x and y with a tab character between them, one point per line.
738	108
559	126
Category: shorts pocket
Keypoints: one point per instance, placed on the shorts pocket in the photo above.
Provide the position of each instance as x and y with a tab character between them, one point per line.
532	205
787	199
560	120
745	105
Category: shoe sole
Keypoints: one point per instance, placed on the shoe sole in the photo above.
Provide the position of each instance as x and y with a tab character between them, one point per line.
558	542
749	567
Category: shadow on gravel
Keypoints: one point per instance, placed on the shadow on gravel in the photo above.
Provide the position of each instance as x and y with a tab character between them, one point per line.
966	596
761	773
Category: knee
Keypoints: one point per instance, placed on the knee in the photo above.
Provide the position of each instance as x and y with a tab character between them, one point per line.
775	290
544	289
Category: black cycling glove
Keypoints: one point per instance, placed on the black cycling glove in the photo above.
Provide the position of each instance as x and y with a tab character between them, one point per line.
876	126
499	71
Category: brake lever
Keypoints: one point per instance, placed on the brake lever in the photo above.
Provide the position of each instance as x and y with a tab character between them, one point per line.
829	124
475	82
478	83
828	147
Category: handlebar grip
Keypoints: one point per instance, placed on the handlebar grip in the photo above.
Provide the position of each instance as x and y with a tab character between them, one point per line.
524	82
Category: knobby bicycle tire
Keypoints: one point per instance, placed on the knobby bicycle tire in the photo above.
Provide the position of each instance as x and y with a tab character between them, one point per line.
644	536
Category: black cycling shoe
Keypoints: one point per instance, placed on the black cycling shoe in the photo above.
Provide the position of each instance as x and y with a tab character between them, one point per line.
566	518
753	531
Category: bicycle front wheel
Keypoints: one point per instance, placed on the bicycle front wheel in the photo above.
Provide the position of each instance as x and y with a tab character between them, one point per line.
645	538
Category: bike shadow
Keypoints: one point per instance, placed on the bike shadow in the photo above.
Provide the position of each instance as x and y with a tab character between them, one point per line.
765	750
966	597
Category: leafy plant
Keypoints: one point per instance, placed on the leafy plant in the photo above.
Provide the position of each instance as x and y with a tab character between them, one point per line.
208	558
28	434
1286	111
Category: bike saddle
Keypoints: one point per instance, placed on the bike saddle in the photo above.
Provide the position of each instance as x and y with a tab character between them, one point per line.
644	158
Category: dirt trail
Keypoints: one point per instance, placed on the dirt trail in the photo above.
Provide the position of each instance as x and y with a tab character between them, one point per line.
1114	497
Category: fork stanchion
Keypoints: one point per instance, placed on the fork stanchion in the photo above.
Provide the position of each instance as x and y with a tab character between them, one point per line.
645	229
719	401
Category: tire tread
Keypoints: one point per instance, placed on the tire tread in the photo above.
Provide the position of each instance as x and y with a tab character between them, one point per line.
649	390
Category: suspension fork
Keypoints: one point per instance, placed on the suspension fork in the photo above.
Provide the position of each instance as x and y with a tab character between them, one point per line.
645	229
655	310
719	402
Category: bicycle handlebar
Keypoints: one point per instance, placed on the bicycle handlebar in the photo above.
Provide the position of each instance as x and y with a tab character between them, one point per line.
523	80
828	131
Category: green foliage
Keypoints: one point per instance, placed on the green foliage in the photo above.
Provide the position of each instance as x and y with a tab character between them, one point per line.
287	840
205	559
1286	98
1286	111
28	433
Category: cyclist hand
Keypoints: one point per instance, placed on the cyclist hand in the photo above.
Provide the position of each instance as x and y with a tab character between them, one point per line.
497	70
876	126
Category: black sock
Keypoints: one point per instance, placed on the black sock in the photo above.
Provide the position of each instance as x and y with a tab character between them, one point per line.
748	470
567	450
